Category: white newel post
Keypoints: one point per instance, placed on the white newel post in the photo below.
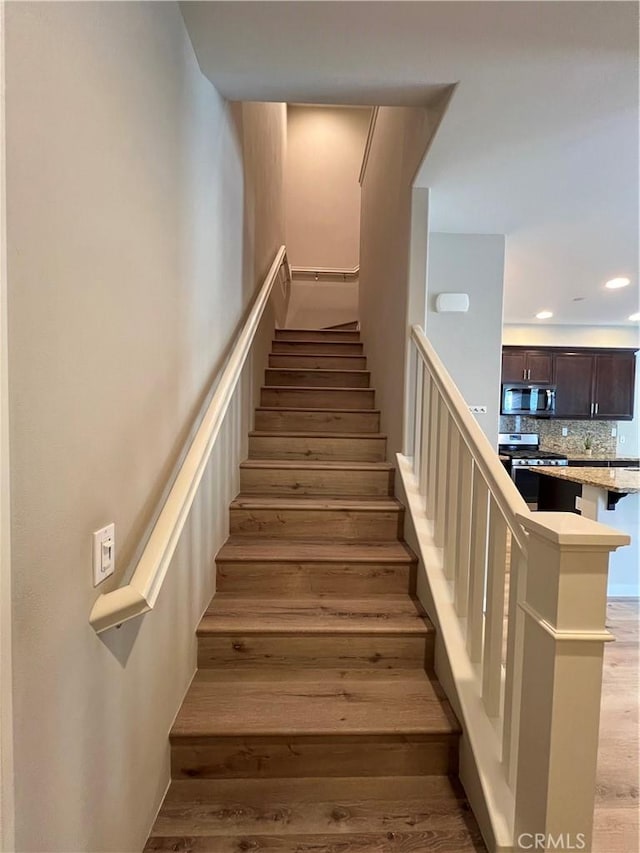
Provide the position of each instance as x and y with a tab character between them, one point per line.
564	634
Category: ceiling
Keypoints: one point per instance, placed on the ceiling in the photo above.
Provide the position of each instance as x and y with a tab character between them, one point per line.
540	141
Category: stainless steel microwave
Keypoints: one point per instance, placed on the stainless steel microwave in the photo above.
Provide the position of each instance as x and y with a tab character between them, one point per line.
521	398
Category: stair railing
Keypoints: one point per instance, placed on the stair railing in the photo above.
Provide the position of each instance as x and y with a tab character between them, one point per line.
520	603
139	595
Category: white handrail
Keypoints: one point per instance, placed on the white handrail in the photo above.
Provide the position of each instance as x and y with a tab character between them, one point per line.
502	487
140	594
328	272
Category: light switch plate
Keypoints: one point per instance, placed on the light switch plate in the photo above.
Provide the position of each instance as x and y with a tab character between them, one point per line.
565	431
104	553
579	503
478	410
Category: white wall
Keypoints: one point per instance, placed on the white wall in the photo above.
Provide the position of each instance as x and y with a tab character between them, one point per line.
134	247
469	344
325	146
319	304
401	138
587	336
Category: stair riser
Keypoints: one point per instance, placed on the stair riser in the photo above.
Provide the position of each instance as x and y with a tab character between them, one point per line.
318	449
337	651
365	525
318	398
283	481
316	335
320	362
316	348
317	421
260	757
317	378
299	579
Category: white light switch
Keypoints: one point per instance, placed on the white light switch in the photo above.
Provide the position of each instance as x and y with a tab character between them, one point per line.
104	553
614	432
565	431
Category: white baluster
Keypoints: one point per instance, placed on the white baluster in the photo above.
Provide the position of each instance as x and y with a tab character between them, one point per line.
461	587
479	515
417	416
513	677
442	486
450	556
494	614
432	478
427	390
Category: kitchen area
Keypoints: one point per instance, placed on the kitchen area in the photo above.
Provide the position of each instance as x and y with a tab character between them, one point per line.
561	410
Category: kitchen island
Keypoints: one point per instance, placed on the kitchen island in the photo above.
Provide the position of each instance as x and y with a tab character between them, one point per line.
608	495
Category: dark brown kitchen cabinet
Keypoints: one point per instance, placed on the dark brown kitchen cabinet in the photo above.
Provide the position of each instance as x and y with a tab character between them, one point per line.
591	383
521	365
613	385
573	377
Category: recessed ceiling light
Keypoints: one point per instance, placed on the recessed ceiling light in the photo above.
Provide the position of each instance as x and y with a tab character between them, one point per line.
615	283
635	318
544	315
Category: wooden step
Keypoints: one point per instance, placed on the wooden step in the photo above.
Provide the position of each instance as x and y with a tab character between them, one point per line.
323	362
314	347
315	815
316	378
322	632
332	726
355	447
249	565
318	420
331	335
293	477
318	398
300	518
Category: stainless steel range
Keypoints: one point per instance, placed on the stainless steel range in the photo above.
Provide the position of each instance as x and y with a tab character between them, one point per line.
523	452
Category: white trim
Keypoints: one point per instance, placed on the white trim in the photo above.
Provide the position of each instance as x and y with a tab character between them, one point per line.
367	145
564	635
140	594
7	806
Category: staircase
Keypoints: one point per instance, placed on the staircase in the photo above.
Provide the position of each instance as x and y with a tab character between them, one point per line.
314	721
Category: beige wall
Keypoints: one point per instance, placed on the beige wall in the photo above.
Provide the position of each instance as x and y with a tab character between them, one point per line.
324	154
469	343
134	248
401	137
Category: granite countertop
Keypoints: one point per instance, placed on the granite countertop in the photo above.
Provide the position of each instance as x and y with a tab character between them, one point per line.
612	479
599	456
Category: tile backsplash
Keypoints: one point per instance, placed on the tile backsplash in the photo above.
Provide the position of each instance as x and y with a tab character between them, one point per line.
551	437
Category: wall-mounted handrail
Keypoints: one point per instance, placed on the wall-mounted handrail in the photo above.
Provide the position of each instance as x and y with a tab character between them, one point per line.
347	273
140	594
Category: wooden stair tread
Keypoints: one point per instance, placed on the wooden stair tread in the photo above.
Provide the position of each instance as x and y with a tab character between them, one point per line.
303	807
304	504
321	614
356	371
315	388
326	435
255	549
314	465
280	409
369	707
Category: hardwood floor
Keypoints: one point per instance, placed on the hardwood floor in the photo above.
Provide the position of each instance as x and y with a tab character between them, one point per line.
616	819
314	723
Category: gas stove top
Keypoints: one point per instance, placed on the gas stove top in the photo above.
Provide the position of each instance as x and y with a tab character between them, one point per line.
522	449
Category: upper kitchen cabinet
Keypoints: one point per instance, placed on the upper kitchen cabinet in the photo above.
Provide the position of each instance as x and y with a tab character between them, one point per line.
574	384
526	365
614	380
591	384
